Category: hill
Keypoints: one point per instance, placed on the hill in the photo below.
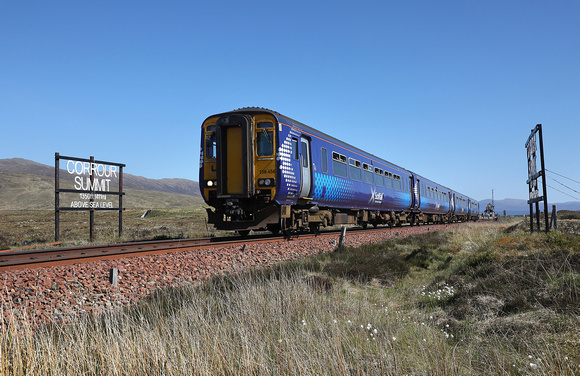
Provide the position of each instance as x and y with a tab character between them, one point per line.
520	207
26	184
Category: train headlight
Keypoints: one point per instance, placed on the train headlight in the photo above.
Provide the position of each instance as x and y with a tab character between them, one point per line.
211	183
267	182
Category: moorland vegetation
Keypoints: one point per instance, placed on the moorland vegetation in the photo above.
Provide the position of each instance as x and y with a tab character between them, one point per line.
477	299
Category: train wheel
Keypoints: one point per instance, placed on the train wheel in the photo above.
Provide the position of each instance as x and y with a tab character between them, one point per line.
274	229
244	233
314	228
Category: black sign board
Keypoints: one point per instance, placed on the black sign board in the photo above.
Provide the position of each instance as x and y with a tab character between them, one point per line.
92	186
535	197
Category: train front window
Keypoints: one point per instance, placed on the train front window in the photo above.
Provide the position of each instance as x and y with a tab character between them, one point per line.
265	139
210	146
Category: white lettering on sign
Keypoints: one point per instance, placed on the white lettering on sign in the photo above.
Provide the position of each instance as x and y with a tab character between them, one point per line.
97	185
102	175
86	168
91	205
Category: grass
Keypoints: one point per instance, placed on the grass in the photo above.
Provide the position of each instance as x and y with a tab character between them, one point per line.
475	300
25	227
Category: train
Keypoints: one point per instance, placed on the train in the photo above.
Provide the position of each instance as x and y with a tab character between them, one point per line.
260	170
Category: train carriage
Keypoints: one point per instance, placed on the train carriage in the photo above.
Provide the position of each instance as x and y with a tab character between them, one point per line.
435	200
262	170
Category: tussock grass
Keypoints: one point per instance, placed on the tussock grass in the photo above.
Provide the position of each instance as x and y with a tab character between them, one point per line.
28	227
476	300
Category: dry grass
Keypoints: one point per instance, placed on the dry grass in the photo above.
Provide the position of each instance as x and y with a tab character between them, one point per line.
473	301
25	227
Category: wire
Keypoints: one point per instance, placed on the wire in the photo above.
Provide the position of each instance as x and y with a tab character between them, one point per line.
565	185
556	189
562	176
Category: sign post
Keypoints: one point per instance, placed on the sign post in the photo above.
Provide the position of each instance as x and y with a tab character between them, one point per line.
92	182
533	175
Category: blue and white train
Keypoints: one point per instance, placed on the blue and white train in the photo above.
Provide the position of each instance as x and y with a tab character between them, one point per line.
262	170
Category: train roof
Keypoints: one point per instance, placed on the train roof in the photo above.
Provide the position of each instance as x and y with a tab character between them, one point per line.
323	135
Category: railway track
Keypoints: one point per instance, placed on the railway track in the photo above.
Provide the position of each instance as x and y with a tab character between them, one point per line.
36	258
21	259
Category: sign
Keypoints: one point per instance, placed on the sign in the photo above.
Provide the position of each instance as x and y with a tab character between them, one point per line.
91	186
89	178
534	196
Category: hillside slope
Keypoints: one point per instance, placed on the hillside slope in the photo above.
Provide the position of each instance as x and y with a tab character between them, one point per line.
26	167
25	184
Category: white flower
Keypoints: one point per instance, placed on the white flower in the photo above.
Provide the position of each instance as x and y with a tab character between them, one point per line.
394	338
375	331
533	366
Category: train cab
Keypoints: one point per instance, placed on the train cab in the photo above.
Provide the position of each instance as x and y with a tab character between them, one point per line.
238	168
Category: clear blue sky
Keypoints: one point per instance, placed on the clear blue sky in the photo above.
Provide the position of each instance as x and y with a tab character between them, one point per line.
448	89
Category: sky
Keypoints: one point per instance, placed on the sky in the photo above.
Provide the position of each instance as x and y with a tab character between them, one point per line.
448	89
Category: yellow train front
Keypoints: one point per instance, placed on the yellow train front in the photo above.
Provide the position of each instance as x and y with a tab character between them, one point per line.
238	170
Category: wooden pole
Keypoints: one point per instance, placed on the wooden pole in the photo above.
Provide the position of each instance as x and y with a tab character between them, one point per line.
56	197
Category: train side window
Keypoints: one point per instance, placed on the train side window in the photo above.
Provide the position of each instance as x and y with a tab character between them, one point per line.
339	164
368	174
305	160
354	169
294	148
324	160
397	184
388	180
379	177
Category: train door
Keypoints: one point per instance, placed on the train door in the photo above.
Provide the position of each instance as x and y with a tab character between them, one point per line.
416	198
305	167
451	202
235	157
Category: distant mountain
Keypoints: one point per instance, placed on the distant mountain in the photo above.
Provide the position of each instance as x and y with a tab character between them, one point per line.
177	186
520	207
